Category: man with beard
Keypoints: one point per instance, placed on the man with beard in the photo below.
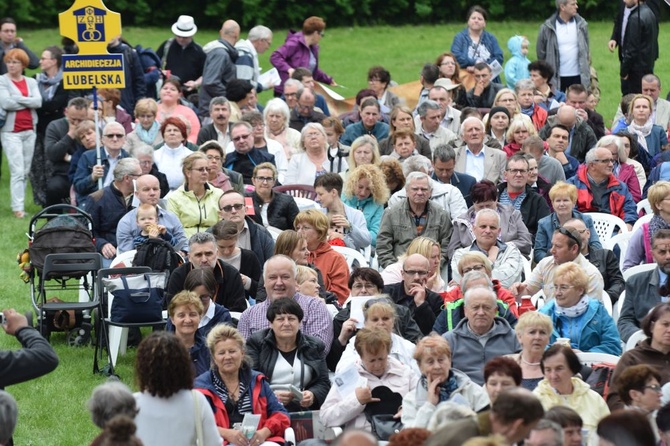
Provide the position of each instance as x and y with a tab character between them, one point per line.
647	289
219	112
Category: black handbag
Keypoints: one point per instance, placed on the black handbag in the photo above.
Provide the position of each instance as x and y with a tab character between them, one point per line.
137	298
380	414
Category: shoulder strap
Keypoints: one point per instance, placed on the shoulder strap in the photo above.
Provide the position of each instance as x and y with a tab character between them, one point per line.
198	419
166	50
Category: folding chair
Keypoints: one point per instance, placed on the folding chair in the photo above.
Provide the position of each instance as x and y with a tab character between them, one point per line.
58	274
113	335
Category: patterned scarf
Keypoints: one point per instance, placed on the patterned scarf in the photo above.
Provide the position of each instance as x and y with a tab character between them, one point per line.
148	136
657	223
446	388
576	310
48	85
641	131
243	404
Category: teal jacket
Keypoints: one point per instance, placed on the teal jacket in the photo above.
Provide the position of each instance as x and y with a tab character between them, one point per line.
371	211
593	331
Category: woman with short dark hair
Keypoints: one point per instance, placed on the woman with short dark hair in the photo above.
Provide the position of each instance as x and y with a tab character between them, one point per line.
165	378
474	44
289	358
560	386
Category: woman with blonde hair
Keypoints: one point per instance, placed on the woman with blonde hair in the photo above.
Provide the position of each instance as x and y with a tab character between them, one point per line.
233	389
364	150
563	198
365	189
428	248
533	330
307	281
147	129
578	316
185	311
639	247
651	138
314	161
518	131
196	202
313	225
401	118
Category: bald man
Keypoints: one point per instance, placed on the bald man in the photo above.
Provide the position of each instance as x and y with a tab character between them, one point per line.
581	138
220	65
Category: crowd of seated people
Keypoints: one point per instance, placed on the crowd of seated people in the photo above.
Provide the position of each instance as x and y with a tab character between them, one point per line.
461	210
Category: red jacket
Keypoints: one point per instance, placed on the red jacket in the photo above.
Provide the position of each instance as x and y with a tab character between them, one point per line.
334	269
539	117
273	415
616	202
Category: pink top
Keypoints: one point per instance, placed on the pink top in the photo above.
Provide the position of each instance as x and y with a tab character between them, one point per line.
187	113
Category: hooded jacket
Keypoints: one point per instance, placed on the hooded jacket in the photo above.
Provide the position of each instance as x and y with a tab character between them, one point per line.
516	67
218	71
616	200
263	403
596	329
340	410
294	53
586	402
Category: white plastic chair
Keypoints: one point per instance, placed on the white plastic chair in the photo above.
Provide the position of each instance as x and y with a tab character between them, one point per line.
634	339
606	225
590	358
527	268
637	269
351	255
646	206
616	311
622	240
274	232
538	299
642	220
124	260
607	302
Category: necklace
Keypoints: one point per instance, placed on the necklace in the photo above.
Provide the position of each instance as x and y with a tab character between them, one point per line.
529	363
233	394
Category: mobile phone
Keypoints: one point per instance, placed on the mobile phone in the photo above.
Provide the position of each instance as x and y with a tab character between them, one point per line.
2	318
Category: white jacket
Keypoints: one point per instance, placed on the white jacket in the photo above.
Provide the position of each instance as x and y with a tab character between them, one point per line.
401	349
417	412
448	197
338	410
12	100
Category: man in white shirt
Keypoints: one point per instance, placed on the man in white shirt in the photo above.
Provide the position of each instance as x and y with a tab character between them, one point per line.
476	159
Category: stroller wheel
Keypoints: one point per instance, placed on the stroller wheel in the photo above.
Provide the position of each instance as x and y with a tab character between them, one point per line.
79	337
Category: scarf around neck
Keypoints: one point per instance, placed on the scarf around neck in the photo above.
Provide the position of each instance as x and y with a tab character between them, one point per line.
148	136
48	85
641	131
657	223
447	388
576	310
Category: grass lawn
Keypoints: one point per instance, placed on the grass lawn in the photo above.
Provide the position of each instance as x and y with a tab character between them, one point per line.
52	408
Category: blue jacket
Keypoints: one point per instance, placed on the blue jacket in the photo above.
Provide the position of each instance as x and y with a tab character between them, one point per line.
596	329
200	356
545	231
516	67
135	88
106	206
256	157
372	211
462	42
379	131
83	184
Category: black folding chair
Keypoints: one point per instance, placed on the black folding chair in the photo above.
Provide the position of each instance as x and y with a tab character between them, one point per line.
112	334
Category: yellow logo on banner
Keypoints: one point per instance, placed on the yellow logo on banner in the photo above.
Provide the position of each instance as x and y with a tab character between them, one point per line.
91	26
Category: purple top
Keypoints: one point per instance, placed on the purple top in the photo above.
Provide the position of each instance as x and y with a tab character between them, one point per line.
295	53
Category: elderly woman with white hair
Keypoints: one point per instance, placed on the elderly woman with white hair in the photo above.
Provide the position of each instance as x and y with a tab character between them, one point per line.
109	400
145	155
622	171
305	166
506	259
276	116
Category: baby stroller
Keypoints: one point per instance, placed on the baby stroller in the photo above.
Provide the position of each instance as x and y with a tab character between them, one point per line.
64	265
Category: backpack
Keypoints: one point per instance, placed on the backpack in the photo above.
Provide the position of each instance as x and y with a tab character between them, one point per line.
600	377
157	254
